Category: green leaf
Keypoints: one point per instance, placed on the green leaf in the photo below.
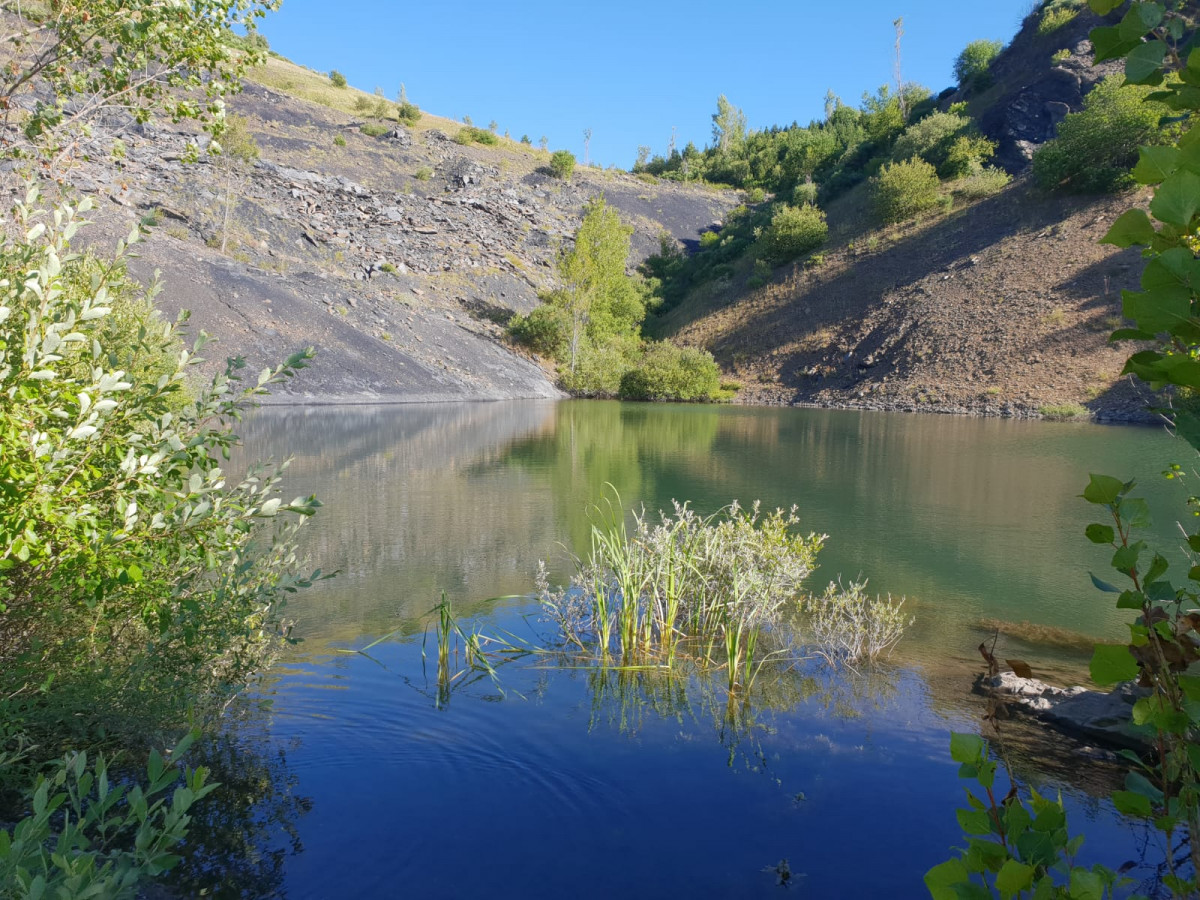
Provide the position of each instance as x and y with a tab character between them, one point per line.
1131	600
1144	61
1187	426
1159	310
1103	489
1100	534
1013	877
1104	585
941	879
1125	559
1154	165
1132	804
1135	511
974	821
1107	43
1104	7
967	748
1177	199
1112	664
1086	885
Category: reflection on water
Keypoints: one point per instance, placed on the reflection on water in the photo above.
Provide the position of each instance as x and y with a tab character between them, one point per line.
972	520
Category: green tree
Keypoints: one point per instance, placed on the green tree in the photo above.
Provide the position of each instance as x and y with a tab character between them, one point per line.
794	230
729	126
137	55
904	189
601	301
972	66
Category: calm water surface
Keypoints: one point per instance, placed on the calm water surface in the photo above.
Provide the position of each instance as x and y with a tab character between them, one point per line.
570	782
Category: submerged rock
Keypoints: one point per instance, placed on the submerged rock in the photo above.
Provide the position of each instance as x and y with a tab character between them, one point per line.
1102	717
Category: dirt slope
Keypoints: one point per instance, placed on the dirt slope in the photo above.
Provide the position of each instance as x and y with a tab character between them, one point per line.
399	257
1000	309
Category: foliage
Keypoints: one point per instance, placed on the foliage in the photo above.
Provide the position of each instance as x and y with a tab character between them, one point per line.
972	66
337	79
89	836
1014	845
408	113
706	586
1055	17
794	230
138	55
667	372
1096	147
984	183
471	135
849	625
562	164
374	129
948	142
1163	789
904	189
130	565
544	330
805	193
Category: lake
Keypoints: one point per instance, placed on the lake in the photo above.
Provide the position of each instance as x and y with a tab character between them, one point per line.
359	781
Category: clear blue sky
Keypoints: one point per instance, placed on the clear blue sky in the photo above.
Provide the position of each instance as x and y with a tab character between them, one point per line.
630	71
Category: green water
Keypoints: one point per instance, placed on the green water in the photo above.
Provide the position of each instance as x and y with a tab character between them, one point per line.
970	519
574	780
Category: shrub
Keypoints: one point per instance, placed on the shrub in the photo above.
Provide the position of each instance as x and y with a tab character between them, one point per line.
794	230
755	195
1055	18
1058	57
339	140
112	838
337	79
182	565
710	239
948	142
544	331
667	372
599	368
1097	146
904	189
424	173
373	129
980	184
848	625
971	68
409	113
472	135
562	164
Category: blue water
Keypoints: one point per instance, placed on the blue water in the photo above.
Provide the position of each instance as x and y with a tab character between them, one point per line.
553	785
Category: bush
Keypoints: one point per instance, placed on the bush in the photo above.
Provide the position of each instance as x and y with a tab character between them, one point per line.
794	230
667	372
981	184
339	140
1097	146
181	564
472	135
562	164
544	331
337	79
948	142
373	129
848	625
599	368
112	837
1055	18
971	68
409	113
904	189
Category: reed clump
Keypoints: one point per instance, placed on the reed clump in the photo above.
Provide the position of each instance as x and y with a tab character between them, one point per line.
709	587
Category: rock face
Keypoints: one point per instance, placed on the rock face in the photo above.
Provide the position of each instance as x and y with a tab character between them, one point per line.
1032	96
1095	716
399	257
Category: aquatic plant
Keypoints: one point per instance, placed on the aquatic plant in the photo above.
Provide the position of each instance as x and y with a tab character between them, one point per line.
712	585
850	625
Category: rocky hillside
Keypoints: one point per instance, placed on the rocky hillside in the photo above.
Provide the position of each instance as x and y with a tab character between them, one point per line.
1002	307
397	256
